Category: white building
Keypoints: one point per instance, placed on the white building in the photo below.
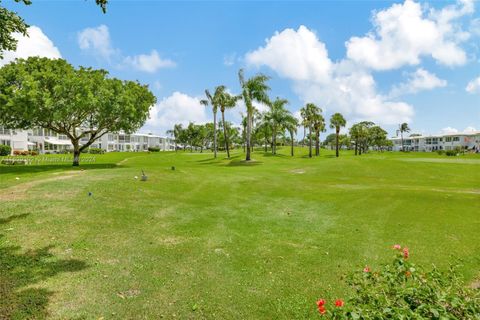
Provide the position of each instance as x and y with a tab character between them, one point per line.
47	141
451	141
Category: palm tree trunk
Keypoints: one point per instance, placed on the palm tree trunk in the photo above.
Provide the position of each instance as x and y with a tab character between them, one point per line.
317	143
249	134
336	140
310	142
273	140
266	135
225	134
401	133
304	134
214	134
291	138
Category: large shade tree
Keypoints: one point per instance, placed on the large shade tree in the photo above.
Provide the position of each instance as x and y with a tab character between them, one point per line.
337	121
253	89
11	23
83	104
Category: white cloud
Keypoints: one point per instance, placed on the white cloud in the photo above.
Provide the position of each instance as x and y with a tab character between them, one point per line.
97	40
469	129
297	55
229	59
405	32
473	86
177	108
148	62
420	80
344	86
35	44
448	130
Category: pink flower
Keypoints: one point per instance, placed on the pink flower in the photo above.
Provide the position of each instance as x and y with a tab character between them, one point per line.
405	253
339	303
366	269
397	247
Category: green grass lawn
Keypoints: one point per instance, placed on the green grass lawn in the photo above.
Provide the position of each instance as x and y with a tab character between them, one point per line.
223	239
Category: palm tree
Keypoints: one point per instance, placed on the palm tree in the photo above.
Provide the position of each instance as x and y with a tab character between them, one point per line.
253	89
403	128
319	126
213	101
277	114
313	119
291	124
175	132
336	122
225	101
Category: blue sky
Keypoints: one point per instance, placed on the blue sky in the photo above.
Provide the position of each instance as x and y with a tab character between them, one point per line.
386	61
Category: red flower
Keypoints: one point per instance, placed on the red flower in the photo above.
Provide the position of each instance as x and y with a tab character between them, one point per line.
321	303
405	253
322	309
339	303
397	247
366	269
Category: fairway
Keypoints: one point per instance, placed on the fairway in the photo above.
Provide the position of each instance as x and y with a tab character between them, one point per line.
223	239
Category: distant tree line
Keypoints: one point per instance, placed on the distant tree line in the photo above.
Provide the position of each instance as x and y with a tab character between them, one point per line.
273	127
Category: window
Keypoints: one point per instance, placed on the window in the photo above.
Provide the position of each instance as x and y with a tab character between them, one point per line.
4	131
448	139
5	142
456	138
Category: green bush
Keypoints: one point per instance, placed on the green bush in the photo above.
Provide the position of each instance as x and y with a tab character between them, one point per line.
441	152
153	149
451	153
5	150
96	151
402	290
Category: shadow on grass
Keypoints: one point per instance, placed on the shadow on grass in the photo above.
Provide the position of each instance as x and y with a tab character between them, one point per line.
55	167
243	163
20	271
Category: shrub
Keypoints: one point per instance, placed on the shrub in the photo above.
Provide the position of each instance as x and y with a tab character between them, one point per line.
153	149
96	151
5	150
20	153
451	153
441	152
402	290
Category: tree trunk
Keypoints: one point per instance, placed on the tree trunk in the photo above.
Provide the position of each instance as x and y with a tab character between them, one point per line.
76	153
225	134
401	133
310	142
274	143
76	156
266	148
304	134
317	143
356	146
291	138
249	134
214	134
336	140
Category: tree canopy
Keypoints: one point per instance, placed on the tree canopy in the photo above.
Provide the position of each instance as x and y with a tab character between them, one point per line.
79	103
11	22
